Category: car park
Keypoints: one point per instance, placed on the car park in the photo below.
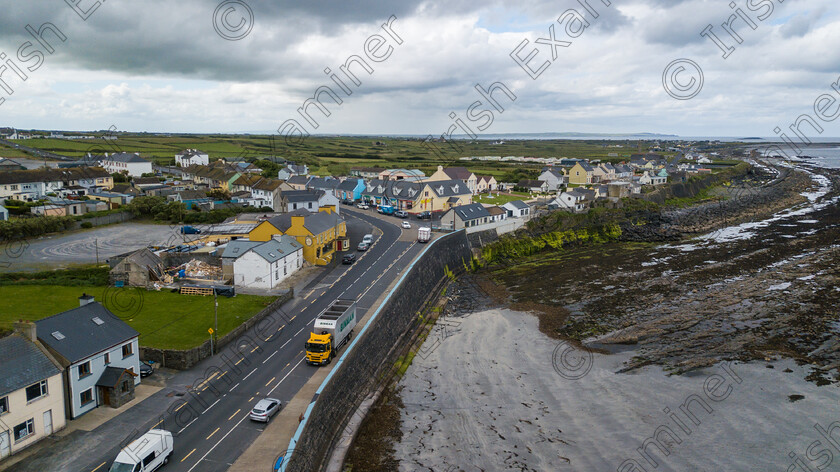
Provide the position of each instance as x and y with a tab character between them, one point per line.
401	214
265	409
406	225
363	246
348	258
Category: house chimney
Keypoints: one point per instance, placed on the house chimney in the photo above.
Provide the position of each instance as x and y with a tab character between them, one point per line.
85	299
27	328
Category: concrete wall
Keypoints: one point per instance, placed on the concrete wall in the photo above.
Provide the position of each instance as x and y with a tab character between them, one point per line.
361	370
183	360
104	220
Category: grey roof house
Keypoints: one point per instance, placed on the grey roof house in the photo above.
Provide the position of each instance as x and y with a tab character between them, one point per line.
465	216
92	343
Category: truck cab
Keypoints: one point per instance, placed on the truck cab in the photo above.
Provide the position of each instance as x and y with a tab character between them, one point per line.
319	349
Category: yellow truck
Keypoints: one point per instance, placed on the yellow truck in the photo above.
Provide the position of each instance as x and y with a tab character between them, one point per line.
332	330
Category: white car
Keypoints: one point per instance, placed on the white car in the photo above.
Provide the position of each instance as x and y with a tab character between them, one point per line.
362	206
265	409
406	225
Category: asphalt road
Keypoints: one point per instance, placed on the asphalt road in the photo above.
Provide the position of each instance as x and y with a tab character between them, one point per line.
207	407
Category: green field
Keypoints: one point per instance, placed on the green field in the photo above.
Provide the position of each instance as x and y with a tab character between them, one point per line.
164	320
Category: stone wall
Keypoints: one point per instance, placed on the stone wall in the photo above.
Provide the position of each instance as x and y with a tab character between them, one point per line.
185	359
104	220
362	370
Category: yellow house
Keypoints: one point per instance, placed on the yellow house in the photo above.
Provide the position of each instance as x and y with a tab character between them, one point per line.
32	392
319	233
581	174
455	173
443	195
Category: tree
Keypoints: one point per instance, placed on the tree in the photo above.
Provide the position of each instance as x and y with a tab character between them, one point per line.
219	194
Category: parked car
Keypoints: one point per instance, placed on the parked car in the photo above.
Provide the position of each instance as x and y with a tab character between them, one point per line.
348	258
347	201
406	225
146	369
265	409
146	453
401	214
368	238
424	215
190	230
363	246
362	206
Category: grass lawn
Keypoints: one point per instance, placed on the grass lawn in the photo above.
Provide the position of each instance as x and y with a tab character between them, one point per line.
165	320
500	200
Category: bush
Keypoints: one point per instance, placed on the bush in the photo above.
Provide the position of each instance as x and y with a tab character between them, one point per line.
19	228
87	224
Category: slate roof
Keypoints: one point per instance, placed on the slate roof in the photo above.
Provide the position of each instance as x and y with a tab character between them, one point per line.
531	183
322	221
322	183
82	336
51	175
146	258
276	249
459	173
237	247
554	172
586	166
449	188
191	152
192	195
348	184
298	180
110	377
269	185
471	212
22	364
123	157
518	204
296	196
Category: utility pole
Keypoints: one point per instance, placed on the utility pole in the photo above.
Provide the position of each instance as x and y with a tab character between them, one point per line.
216	313
96	244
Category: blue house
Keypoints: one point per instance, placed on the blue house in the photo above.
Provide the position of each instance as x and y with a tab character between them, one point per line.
350	189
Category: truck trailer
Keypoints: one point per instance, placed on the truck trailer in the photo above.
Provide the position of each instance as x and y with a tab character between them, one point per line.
332	330
424	234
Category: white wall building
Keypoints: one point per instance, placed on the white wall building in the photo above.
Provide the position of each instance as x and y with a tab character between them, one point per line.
268	264
124	162
190	157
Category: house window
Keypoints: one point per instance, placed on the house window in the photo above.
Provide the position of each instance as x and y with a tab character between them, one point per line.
310	205
86	397
36	391
4	405
84	370
24	430
107	358
127	350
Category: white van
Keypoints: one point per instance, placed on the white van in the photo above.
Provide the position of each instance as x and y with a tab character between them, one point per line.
145	454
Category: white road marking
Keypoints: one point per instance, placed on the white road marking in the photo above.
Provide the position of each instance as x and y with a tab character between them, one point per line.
250	374
269	357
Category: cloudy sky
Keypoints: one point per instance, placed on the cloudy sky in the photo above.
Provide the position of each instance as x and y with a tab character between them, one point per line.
217	66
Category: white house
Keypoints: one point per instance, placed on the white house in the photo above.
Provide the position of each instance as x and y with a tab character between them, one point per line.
31	391
190	157
572	200
130	163
268	264
517	209
99	354
553	178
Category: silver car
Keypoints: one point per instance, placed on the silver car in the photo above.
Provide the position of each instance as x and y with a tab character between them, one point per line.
265	409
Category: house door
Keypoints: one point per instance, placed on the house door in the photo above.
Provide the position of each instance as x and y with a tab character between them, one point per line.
5	445
106	395
48	429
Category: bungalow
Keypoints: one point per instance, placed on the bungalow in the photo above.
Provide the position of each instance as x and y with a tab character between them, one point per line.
465	216
31	392
127	163
267	264
535	186
581	174
456	173
292	170
320	233
190	157
350	189
553	178
517	209
98	353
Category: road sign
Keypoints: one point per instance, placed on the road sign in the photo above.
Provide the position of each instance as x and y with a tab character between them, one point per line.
210	330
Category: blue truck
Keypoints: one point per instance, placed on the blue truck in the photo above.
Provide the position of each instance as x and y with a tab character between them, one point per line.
386	209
